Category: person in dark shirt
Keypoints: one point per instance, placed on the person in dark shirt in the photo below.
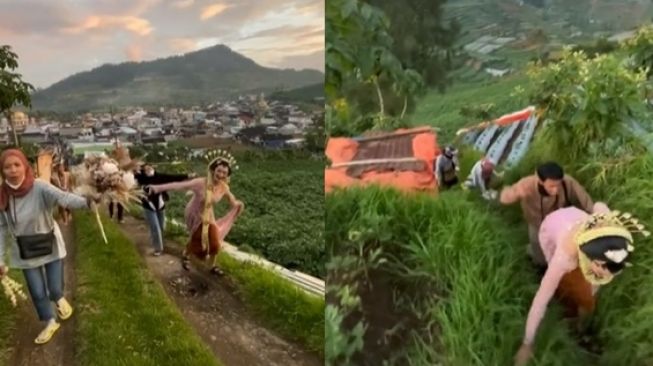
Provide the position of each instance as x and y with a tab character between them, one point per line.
154	203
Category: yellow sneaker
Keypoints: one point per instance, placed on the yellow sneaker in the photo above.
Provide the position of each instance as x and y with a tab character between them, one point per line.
64	310
47	333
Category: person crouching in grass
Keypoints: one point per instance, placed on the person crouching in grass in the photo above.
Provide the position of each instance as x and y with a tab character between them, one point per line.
583	252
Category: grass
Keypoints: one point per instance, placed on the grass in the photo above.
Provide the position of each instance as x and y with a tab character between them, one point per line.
454	264
442	110
457	262
280	304
123	315
284	204
8	318
624	306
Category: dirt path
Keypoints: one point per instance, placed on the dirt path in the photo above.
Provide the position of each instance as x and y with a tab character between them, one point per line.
211	307
60	350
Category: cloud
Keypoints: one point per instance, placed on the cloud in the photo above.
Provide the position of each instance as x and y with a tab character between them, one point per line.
212	10
314	60
32	17
134	53
286	31
136	25
77	35
181	4
182	45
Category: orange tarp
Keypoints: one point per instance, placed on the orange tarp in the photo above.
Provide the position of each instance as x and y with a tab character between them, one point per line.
379	157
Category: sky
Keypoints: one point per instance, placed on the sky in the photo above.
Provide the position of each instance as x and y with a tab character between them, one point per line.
55	39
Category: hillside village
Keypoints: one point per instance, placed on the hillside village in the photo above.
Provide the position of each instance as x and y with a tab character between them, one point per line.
250	119
505	34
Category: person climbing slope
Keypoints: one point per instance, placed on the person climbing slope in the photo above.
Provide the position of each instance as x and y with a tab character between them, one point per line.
446	168
542	193
583	252
481	177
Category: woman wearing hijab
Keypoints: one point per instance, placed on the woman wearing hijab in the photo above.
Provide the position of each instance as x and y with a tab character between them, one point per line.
36	245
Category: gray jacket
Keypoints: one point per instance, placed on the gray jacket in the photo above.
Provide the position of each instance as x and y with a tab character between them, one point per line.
32	214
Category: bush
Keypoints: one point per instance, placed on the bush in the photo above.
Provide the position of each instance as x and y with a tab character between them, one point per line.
450	265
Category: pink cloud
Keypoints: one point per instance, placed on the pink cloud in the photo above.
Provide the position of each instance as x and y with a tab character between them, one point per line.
182	44
212	10
181	4
136	25
134	52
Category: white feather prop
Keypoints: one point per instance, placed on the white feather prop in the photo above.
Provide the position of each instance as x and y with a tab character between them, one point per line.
12	290
102	177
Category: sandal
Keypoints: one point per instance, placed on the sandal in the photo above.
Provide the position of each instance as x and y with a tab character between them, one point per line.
64	310
217	271
47	333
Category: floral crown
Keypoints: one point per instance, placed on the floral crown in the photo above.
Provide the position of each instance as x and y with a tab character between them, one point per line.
613	223
214	156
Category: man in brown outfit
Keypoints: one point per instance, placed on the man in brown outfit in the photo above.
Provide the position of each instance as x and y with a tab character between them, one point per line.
542	193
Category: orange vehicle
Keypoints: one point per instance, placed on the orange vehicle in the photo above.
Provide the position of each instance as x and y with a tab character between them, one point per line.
402	159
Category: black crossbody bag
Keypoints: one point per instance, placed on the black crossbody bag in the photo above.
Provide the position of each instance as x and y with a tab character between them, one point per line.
35	245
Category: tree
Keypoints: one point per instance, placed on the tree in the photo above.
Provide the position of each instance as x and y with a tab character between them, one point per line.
424	42
13	90
359	53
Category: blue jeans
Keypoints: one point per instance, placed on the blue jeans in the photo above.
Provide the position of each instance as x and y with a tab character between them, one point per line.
156	222
45	284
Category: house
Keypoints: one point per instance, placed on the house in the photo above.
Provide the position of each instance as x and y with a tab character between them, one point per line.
70	133
497	72
288	129
34	135
20	120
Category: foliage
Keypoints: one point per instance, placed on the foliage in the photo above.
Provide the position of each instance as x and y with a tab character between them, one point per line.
316	135
124	316
587	103
282	305
452	262
283	218
479	112
359	51
444	110
598	47
640	48
424	41
13	90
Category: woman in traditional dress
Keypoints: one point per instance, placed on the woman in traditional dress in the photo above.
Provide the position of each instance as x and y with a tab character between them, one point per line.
36	245
61	179
583	252
206	232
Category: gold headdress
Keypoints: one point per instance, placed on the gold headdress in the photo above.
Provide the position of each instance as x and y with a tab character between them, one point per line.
212	157
613	223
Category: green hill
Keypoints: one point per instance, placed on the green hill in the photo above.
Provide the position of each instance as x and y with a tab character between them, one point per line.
194	78
304	94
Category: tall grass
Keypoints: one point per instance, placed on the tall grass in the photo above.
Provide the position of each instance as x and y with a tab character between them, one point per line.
124	316
463	271
8	319
625	306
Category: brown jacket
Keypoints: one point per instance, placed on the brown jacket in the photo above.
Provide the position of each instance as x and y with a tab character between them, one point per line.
535	206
